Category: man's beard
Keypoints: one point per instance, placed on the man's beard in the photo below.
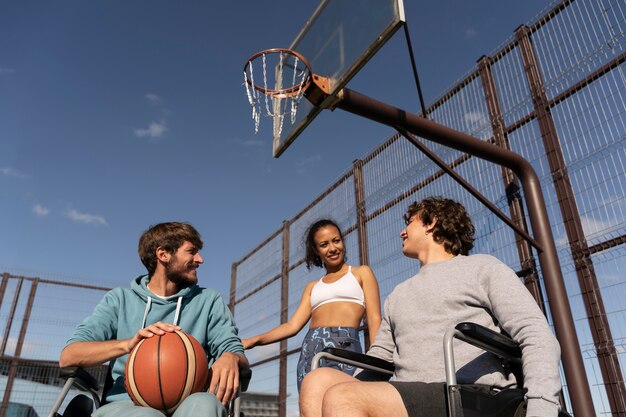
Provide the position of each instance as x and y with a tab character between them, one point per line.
177	274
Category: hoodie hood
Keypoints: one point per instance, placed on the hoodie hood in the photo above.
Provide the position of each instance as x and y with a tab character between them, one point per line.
140	286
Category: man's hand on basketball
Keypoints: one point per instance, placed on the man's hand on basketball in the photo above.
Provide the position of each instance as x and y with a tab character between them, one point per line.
158	328
225	377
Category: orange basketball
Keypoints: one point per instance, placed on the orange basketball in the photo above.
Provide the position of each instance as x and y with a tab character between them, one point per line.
161	371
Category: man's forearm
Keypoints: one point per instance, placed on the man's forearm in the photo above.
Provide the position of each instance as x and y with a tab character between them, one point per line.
92	353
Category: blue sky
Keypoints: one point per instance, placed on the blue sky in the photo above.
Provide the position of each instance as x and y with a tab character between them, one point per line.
115	115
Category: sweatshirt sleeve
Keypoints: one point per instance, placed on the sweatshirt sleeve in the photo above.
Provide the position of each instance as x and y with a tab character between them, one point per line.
101	324
222	333
520	316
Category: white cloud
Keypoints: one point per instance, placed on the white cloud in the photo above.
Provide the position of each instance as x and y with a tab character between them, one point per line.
153	98
26	347
6	71
12	172
470	32
475	117
154	130
40	210
253	142
85	218
592	226
303	166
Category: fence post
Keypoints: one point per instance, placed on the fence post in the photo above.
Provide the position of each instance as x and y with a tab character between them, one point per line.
284	317
3	286
7	330
233	288
511	182
361	228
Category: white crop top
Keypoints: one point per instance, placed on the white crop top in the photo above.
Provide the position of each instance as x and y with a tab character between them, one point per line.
346	288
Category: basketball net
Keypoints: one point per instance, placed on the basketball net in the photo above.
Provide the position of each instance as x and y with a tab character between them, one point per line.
277	100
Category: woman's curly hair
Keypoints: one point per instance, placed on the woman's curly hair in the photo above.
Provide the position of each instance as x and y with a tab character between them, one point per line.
449	221
311	257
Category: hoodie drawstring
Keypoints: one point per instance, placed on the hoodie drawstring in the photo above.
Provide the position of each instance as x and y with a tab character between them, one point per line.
178	304
149	303
145	313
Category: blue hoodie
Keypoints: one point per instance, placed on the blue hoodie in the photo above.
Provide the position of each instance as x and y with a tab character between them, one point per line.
122	312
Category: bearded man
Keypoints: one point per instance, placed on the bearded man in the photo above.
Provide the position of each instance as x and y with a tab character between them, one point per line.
166	299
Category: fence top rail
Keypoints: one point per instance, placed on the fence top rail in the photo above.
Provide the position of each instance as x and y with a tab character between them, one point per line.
56	282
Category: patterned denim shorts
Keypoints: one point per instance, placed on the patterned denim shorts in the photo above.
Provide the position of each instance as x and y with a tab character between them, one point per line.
322	337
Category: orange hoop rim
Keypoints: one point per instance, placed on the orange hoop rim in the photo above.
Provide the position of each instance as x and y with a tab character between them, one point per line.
292	91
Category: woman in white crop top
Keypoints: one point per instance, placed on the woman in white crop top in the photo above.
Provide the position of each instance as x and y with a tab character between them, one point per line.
335	304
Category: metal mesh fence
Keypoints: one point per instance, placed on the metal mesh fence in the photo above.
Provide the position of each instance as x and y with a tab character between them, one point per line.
36	318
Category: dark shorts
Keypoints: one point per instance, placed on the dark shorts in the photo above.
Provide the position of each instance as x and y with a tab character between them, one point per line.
322	337
422	399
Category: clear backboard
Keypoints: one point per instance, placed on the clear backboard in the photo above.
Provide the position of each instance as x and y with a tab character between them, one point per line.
340	37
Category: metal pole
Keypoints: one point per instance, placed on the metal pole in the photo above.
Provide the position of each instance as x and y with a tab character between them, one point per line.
3	286
233	288
361	227
284	317
7	330
361	222
573	366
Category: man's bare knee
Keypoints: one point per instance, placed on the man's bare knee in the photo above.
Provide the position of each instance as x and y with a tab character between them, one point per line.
314	388
341	395
358	398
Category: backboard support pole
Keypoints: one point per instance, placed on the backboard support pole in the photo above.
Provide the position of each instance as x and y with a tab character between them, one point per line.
573	366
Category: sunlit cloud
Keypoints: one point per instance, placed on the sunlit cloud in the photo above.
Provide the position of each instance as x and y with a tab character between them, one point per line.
253	142
475	117
303	166
4	71
154	130
85	218
26	347
592	226
610	279
153	98
12	172
470	32
40	210
560	240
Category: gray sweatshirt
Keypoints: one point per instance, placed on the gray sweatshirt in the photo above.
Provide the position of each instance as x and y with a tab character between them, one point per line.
478	289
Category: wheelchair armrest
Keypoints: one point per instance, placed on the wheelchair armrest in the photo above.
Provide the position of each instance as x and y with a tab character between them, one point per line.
483	338
489	340
245	375
83	379
359	360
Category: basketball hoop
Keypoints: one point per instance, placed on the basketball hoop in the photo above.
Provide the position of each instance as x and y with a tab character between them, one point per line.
292	76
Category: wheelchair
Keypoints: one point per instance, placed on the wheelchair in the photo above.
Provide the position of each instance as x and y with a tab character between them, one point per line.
83	405
462	400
